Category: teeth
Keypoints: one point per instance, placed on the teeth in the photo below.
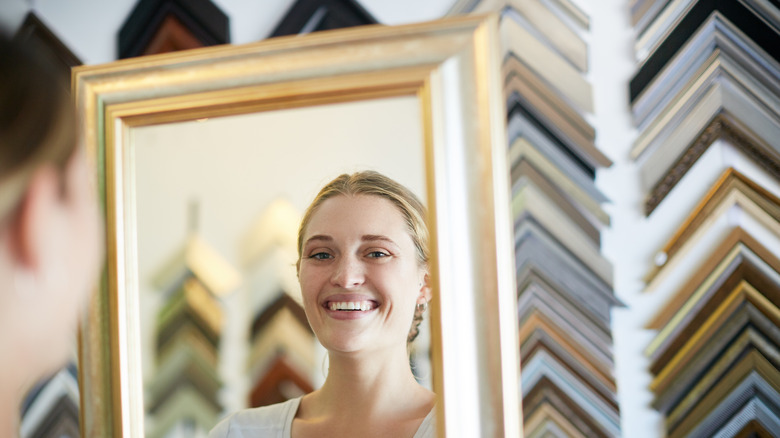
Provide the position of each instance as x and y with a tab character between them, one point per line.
351	305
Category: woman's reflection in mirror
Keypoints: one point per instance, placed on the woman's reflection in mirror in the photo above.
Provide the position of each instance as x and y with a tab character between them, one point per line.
363	270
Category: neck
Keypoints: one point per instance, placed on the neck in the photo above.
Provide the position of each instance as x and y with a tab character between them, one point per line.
371	382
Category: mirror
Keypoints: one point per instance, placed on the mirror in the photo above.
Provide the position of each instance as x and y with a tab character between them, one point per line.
234	188
182	141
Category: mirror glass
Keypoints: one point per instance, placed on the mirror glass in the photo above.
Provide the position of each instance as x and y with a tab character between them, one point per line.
218	206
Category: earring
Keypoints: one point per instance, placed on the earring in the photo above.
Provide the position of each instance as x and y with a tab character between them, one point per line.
422	307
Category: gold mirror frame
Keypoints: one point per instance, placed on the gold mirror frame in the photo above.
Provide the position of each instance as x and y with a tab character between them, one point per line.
452	67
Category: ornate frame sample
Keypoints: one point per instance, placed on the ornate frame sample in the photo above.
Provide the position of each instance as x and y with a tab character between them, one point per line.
35	31
161	26
306	16
452	68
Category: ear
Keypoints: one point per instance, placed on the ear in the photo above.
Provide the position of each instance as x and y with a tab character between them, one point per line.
36	208
425	289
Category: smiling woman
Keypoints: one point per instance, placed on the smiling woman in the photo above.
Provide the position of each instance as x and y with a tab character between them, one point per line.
363	273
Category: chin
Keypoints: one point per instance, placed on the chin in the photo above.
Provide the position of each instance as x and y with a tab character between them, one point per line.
343	343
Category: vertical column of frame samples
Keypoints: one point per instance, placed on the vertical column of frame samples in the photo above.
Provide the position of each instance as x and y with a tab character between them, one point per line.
181	394
706	101
281	353
564	282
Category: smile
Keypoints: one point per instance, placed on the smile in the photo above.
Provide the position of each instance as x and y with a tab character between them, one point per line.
352	305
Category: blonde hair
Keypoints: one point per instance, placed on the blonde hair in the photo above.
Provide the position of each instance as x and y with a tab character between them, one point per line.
37	121
374	183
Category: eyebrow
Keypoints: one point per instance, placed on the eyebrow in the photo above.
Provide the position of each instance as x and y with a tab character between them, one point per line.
364	238
323	237
375	237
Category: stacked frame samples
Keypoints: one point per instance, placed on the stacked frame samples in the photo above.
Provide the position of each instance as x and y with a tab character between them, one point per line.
705	99
182	388
51	408
565	292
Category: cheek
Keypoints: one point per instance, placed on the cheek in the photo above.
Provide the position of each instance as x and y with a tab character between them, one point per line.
310	281
85	249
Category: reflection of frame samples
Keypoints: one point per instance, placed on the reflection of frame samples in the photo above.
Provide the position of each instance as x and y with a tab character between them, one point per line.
183	392
282	353
281	381
281	356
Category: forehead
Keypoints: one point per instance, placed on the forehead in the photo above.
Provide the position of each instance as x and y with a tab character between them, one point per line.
345	215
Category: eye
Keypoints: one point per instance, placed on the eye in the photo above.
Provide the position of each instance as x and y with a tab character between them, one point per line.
378	254
320	256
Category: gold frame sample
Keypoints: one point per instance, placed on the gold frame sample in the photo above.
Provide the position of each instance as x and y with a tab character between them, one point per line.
452	67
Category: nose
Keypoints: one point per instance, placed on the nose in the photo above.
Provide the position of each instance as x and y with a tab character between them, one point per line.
348	273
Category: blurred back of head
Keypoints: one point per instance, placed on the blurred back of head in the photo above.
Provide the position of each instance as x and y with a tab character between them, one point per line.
37	121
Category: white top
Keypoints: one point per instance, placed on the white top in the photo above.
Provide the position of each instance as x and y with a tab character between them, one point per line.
275	421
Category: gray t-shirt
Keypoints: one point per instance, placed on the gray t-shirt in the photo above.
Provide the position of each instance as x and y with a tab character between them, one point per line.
275	421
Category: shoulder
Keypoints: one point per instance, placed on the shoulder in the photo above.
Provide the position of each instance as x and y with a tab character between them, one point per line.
266	421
